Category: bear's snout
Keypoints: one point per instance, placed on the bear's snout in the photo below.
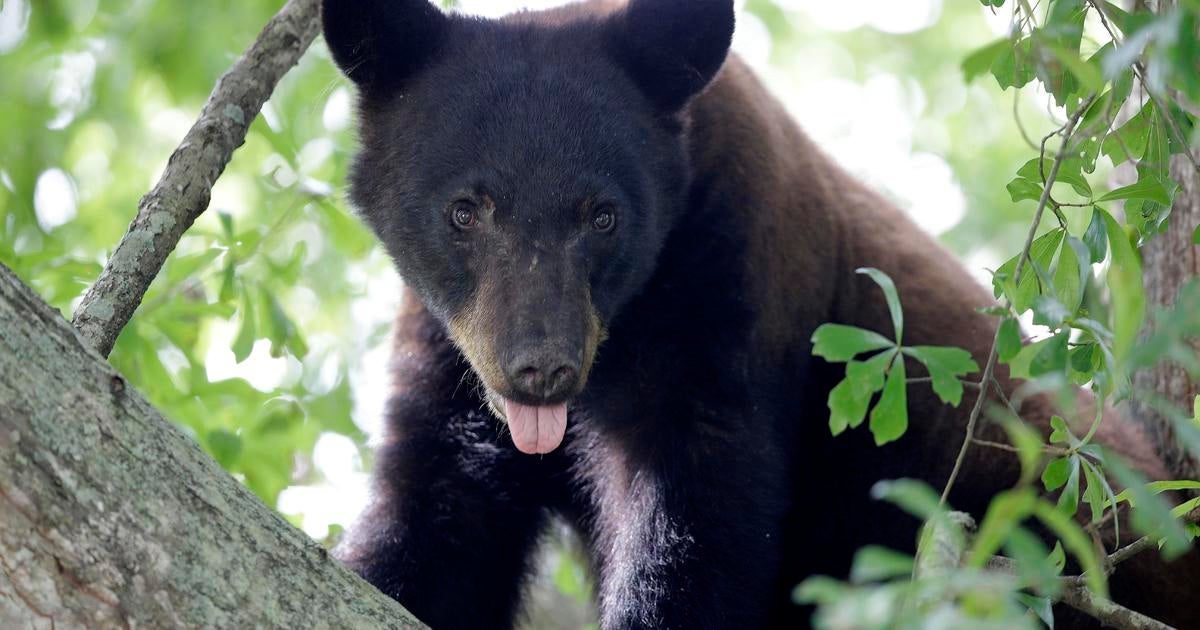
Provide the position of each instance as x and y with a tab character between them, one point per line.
544	373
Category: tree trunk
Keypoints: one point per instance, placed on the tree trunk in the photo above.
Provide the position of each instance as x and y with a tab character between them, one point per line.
111	517
1170	261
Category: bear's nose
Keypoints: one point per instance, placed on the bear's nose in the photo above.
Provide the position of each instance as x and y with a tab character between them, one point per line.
546	376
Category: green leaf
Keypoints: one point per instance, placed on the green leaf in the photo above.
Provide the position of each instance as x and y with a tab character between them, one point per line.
1151	513
1185	508
1093	493
819	589
1159	487
848	401
1056	473
980	61
229	279
911	495
1096	238
1033	561
1048	311
836	342
1019	366
1052	357
1089	77
1070	277
186	267
1008	340
1043	607
889	418
1017	66
873	563
1006	510
1021	189
243	345
893	298
1145	188
1196	236
1078	542
1128	295
1041	254
283	334
1058	557
945	366
1117	15
1060	433
1068	501
1082	358
226	226
1130	140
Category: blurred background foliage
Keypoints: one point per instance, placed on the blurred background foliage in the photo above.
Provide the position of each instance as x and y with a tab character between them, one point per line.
266	335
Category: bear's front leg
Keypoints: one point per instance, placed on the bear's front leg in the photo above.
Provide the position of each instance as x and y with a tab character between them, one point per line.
456	510
686	535
452	525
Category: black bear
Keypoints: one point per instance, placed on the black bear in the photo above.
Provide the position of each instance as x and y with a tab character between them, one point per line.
618	245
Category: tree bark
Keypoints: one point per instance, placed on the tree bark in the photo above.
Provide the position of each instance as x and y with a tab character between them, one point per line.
110	516
185	189
1170	261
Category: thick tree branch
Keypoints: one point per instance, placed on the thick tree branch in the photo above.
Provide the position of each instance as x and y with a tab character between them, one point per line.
1077	595
1108	612
111	517
185	188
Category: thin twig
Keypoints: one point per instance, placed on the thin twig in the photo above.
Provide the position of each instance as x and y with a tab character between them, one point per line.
990	366
1143	543
928	379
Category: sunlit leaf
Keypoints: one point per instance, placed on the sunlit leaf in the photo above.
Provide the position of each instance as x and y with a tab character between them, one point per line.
980	61
893	298
1145	188
889	418
837	343
848	401
945	366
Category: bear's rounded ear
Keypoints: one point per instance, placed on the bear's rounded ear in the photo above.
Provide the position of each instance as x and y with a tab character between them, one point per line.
673	48
380	43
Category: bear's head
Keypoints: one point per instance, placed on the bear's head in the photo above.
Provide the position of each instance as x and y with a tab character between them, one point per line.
524	173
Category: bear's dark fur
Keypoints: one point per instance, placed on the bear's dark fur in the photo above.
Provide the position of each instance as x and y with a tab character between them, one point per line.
593	205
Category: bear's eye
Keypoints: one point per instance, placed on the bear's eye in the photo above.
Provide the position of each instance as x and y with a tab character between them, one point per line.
604	220
463	215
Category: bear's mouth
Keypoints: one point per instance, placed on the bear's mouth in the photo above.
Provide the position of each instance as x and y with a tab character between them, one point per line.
535	429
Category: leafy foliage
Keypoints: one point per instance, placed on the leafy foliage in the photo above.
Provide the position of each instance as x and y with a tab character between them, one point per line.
1090	339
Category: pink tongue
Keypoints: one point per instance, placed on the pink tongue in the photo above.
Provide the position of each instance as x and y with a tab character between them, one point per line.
536	430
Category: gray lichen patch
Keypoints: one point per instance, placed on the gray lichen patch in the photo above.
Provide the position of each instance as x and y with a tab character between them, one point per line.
162	221
235	113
